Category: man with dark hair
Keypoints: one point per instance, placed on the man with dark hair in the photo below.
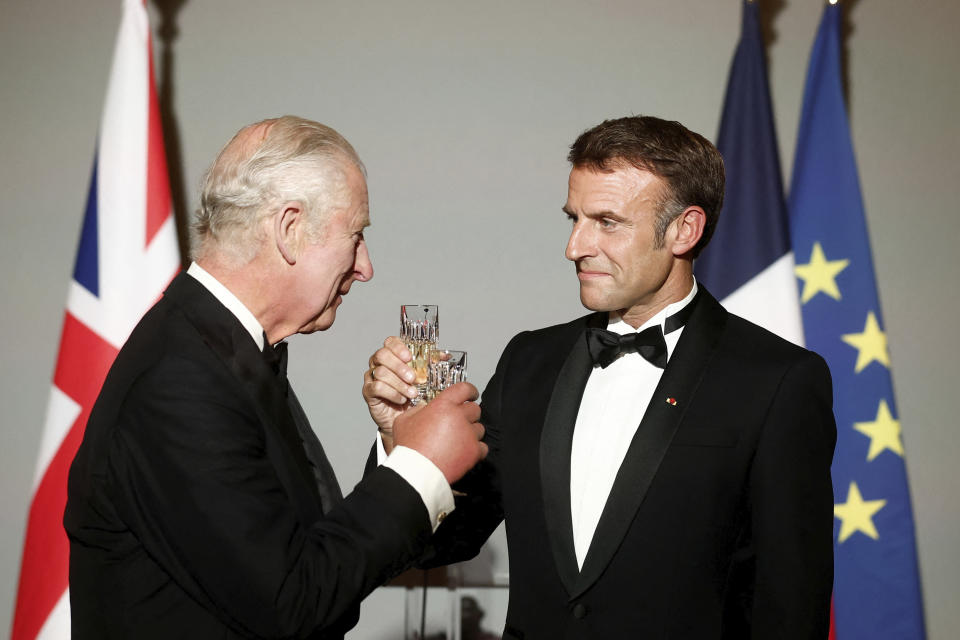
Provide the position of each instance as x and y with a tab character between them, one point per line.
690	167
201	503
663	466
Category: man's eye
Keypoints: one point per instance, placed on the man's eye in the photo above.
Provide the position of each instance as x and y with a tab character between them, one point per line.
607	223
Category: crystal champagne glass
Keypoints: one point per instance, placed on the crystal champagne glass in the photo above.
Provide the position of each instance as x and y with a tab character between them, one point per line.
419	329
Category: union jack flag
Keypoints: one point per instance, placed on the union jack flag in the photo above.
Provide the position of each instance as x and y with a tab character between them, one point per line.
126	257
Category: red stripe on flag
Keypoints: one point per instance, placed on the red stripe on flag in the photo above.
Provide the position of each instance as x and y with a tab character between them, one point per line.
82	365
158	187
833	628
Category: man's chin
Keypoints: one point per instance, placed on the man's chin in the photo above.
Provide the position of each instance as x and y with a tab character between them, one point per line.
325	320
322	323
594	302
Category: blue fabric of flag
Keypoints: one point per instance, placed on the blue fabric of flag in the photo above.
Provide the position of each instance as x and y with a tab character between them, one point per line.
753	229
876	586
86	270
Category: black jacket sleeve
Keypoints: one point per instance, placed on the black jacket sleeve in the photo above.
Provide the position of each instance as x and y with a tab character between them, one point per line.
190	473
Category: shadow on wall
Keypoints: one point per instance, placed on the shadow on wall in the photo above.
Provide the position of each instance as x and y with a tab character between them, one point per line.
168	32
770	9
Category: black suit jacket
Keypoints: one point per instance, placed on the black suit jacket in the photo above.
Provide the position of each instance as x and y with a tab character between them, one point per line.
720	521
192	510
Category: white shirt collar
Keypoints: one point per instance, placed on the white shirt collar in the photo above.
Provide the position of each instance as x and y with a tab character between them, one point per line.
616	324
230	301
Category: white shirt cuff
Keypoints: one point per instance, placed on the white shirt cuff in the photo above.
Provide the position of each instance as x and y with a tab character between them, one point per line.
381	450
425	478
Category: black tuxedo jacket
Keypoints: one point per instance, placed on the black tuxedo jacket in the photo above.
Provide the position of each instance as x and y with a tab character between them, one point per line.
720	521
192	509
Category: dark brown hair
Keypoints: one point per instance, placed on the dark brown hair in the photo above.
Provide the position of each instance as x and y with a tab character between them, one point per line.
688	163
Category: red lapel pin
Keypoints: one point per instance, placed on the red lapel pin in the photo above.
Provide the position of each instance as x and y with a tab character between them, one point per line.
672	401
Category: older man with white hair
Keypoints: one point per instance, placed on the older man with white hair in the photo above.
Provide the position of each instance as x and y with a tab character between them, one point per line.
201	504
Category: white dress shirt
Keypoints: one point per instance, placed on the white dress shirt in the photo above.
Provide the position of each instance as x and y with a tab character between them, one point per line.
614	401
411	465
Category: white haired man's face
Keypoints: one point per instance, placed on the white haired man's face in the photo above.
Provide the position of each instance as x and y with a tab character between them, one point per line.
328	267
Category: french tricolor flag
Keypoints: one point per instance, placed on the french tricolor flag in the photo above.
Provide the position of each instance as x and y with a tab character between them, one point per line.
748	264
127	255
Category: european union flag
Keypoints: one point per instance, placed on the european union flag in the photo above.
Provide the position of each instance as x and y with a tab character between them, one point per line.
748	264
876	586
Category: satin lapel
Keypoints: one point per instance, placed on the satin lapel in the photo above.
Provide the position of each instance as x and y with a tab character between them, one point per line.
556	439
232	344
326	479
679	382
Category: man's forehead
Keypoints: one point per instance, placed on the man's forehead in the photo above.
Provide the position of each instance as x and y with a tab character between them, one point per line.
359	217
357	183
611	184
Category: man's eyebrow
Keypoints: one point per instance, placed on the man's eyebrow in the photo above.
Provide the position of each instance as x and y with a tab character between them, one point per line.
595	214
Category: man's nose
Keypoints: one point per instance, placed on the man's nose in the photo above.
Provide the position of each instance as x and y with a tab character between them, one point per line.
580	243
362	266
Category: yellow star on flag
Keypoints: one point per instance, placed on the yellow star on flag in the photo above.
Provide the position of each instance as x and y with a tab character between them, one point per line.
856	514
819	275
884	433
871	344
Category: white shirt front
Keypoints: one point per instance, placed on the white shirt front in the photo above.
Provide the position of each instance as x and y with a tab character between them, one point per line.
411	465
614	401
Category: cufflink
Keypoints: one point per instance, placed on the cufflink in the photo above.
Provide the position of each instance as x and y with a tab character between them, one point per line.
441	516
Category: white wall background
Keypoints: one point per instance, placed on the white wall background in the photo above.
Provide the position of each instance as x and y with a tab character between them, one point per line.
462	112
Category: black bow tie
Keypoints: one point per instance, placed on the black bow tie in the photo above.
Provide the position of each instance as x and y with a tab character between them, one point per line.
606	346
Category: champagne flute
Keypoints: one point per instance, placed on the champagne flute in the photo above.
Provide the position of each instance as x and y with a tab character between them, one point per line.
419	329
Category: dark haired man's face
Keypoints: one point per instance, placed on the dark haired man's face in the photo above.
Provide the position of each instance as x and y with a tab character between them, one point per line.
620	264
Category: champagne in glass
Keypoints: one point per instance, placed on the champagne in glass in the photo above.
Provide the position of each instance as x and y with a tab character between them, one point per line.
419	328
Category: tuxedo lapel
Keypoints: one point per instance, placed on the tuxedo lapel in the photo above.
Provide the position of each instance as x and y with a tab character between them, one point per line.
673	395
556	439
232	344
326	480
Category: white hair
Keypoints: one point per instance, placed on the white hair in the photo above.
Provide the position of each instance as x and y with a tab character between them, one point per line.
296	160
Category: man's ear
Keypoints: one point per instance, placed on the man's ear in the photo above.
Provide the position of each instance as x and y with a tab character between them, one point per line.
687	230
288	227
